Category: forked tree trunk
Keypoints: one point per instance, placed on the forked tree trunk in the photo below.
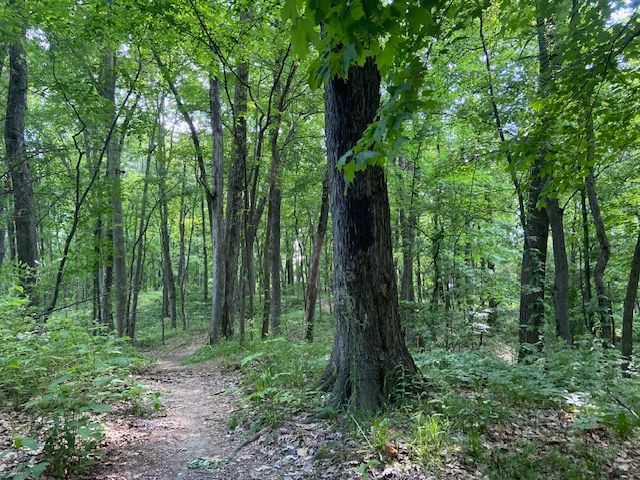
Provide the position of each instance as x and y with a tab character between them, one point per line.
368	349
536	223
168	279
314	270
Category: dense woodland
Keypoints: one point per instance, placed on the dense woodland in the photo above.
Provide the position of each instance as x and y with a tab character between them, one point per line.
414	222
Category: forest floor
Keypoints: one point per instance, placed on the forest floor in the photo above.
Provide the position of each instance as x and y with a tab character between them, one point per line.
193	436
190	438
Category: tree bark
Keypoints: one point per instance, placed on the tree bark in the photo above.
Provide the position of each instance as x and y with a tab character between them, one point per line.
561	287
266	277
275	203
206	226
604	251
314	270
115	187
368	347
217	214
137	281
168	279
407	227
588	313
24	207
182	216
629	305
234	199
536	226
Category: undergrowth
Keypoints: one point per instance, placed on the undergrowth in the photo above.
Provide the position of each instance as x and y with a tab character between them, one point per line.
65	375
279	372
465	392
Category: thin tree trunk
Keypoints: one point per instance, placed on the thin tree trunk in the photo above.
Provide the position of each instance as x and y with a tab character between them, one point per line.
604	251
586	248
182	247
407	228
185	318
561	287
168	279
629	304
137	281
275	262
217	215
205	273
368	348
266	276
314	270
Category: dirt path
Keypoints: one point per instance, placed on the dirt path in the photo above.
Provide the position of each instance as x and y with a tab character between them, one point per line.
190	438
197	402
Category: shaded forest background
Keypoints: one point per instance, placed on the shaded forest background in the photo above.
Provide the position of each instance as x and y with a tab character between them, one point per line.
165	176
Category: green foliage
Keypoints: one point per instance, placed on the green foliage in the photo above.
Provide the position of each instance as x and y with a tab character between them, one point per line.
67	375
279	372
429	438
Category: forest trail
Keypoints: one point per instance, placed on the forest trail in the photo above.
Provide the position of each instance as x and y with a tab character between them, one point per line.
197	401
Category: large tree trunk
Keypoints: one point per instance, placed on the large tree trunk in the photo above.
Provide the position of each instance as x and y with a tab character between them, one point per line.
234	199
629	305
534	258
536	226
368	347
113	175
561	287
314	270
24	208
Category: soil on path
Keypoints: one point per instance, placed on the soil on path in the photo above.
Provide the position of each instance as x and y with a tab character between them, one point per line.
192	424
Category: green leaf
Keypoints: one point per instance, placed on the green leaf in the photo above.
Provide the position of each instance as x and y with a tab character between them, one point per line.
98	408
26	442
289	10
348	54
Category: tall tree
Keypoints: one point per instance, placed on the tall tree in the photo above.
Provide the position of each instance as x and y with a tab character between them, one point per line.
114	173
18	165
217	214
368	347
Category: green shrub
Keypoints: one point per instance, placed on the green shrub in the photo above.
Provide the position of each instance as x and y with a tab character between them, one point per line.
67	376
